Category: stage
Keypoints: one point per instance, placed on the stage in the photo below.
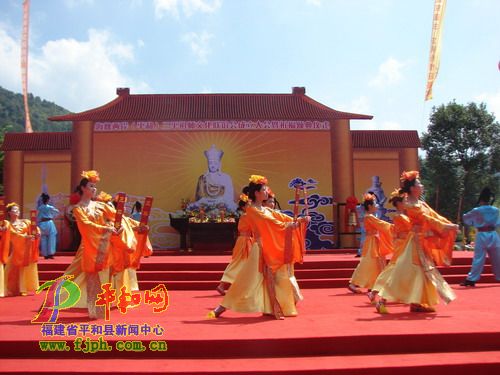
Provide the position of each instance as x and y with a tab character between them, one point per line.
336	332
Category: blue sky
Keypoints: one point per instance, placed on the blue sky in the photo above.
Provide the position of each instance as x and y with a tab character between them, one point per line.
365	56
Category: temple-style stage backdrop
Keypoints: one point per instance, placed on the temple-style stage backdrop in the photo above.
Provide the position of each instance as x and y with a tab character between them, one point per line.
202	148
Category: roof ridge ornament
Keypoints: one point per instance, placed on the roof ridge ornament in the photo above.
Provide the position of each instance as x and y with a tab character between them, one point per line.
122	91
298	90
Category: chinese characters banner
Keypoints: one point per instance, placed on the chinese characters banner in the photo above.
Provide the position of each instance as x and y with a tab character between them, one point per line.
435	53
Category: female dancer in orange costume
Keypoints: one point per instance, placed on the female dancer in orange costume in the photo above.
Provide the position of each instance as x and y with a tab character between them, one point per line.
21	272
264	283
377	244
415	279
4	252
91	266
241	248
127	249
401	228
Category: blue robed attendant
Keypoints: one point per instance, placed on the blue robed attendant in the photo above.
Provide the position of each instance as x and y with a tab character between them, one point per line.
485	218
45	218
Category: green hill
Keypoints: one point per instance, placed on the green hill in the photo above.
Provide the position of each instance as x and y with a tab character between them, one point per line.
12	117
12	113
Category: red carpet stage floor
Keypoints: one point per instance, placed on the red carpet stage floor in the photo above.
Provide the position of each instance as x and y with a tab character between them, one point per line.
336	332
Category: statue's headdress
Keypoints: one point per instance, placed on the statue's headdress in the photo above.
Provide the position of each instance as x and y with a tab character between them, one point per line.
213	153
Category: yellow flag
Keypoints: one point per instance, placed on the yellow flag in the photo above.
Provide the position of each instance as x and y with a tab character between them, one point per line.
435	53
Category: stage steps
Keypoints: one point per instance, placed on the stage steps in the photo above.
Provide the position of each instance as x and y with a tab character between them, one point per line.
319	271
456	363
336	333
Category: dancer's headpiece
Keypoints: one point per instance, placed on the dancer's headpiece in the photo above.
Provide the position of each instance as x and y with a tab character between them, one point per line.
92	176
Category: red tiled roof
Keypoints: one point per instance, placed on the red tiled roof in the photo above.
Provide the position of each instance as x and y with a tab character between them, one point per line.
385	139
164	107
37	141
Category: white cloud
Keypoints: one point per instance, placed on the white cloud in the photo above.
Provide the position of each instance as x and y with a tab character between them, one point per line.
77	75
10	62
389	73
199	44
316	3
189	7
140	43
492	102
360	105
206	90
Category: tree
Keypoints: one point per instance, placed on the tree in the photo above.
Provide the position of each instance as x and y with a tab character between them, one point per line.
463	150
12	117
3	130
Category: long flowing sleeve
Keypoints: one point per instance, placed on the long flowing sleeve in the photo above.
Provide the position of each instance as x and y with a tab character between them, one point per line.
130	246
4	243
400	230
85	224
24	250
482	216
244	240
384	230
126	240
437	241
54	211
95	236
281	216
282	242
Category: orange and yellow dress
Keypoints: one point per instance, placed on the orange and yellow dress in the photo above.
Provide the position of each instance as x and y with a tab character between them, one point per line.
21	272
4	253
264	282
127	250
91	265
415	279
241	250
378	244
400	230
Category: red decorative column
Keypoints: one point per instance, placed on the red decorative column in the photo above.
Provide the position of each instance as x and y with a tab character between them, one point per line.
13	178
82	149
408	160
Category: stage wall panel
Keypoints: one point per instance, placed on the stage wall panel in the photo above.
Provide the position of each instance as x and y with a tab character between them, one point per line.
367	164
167	165
52	169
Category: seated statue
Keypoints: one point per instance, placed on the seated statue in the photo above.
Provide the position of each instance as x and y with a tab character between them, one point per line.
214	187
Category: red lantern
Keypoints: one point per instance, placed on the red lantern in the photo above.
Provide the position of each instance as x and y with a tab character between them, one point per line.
350	213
